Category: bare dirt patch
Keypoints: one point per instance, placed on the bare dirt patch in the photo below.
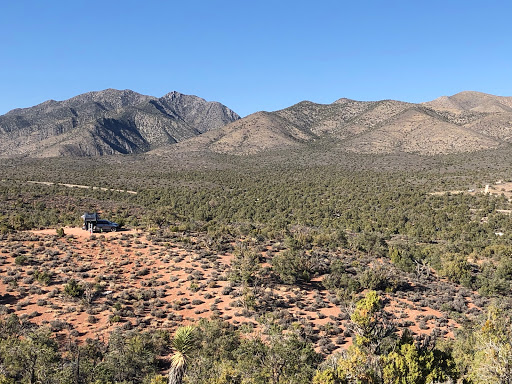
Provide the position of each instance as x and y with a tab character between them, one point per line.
80	233
128	280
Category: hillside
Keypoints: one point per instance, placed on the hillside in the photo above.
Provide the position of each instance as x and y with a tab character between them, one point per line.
124	122
190	284
108	122
472	101
466	122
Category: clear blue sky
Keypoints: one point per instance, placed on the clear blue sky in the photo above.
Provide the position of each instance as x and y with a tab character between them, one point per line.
254	55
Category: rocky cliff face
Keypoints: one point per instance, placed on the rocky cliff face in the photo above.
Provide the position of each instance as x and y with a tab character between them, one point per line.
108	122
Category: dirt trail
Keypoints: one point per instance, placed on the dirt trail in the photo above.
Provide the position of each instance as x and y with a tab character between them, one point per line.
81	186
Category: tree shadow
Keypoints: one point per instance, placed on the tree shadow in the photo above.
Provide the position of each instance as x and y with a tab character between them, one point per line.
8	299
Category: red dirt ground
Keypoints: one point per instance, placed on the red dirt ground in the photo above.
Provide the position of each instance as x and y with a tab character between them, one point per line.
138	283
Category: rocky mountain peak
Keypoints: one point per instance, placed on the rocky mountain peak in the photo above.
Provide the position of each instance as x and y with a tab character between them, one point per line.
108	122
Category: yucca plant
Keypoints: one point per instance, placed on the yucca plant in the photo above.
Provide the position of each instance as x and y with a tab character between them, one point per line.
183	344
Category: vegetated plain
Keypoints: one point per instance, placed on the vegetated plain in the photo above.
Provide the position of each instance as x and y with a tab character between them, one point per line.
280	253
319	243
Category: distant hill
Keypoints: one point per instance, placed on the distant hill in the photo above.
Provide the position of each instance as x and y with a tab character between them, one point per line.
472	101
124	122
108	122
468	121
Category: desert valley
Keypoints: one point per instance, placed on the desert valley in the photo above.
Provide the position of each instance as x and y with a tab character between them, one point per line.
351	242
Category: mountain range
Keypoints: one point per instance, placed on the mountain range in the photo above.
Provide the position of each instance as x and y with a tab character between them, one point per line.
122	122
108	122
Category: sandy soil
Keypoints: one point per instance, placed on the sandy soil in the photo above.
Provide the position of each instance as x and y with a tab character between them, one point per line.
80	233
82	186
131	281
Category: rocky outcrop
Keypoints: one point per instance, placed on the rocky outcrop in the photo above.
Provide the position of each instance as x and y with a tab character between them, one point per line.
108	122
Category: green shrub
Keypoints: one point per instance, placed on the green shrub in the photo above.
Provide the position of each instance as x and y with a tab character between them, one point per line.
74	289
44	277
21	260
294	266
402	259
338	279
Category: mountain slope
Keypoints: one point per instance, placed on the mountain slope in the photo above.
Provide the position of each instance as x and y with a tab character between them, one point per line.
415	131
124	122
461	123
108	122
472	101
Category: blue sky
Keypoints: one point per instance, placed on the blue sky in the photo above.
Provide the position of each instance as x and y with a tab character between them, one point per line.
254	55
